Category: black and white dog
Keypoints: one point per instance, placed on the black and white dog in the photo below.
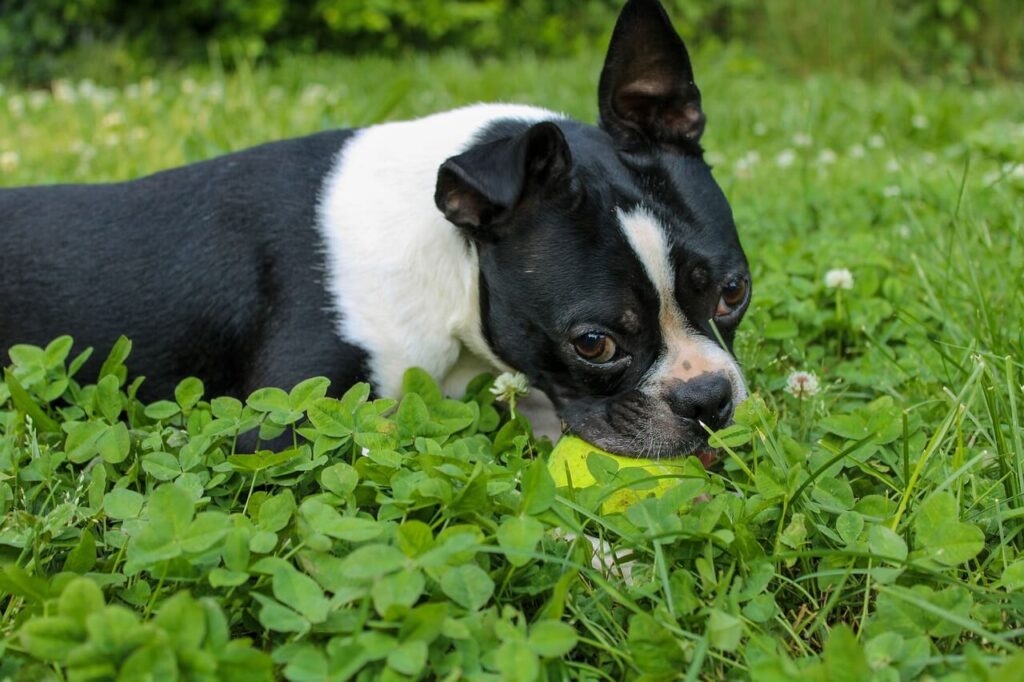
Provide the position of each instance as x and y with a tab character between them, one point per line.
602	262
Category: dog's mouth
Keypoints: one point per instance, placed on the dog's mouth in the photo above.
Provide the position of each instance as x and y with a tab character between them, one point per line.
645	436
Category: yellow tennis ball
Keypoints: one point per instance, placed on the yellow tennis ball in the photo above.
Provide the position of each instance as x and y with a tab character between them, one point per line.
568	466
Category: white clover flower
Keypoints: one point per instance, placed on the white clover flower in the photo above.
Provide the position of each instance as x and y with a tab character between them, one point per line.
760	129
892	165
315	92
857	151
138	134
919	121
802	384
826	157
509	386
9	161
876	141
785	158
132	91
64	91
839	278
16	105
929	158
891	191
715	158
188	86
802	140
37	99
112	120
903	230
746	162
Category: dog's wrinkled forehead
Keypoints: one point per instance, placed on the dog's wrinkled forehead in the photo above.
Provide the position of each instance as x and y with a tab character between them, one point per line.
687	353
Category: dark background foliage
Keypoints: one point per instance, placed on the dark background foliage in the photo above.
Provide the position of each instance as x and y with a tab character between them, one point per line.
42	39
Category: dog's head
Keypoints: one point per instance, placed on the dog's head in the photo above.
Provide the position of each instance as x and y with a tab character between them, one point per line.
610	269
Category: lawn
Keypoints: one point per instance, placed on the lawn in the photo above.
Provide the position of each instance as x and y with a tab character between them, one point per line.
866	523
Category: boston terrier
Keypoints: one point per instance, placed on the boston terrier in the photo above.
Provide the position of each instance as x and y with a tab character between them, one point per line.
600	261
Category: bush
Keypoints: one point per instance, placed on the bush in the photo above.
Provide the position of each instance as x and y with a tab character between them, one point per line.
864	37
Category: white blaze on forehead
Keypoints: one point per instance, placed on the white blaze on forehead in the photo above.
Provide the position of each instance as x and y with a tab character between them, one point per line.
687	354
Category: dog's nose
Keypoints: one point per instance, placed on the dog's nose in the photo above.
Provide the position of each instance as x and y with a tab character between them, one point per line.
707	398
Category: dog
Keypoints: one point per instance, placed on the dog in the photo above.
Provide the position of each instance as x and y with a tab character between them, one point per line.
600	261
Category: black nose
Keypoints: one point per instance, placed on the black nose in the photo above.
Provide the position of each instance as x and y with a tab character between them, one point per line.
707	398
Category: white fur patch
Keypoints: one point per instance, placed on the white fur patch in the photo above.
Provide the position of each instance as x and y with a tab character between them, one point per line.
404	282
687	354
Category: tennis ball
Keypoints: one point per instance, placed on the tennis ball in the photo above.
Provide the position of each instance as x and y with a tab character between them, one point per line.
568	463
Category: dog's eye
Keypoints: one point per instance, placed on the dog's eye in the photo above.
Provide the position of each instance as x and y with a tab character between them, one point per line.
595	347
734	295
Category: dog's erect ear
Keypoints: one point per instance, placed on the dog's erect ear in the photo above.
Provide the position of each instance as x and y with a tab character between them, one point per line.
647	95
481	186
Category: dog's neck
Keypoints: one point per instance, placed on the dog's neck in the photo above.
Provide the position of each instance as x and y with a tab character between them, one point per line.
405	282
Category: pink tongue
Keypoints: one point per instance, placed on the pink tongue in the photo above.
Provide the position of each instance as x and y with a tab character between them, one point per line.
706	457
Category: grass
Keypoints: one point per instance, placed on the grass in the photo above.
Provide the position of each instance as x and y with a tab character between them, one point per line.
868	530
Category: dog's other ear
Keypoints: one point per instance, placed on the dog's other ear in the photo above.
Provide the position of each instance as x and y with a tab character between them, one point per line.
647	95
480	187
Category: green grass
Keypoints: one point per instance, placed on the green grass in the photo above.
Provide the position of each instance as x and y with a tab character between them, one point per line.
869	531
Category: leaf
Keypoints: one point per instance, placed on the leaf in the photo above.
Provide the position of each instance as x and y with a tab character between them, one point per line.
81	444
408	658
468	586
80	599
326	520
517	663
51	638
184	621
162	466
305	392
844	658
886	543
57	352
795	534
725	631
948	540
412	415
188	392
552	639
301	593
171	505
341	479
401	589
331	418
372	561
205	531
161	410
114	443
82	558
122	503
538	489
114	364
418	381
276	512
269	400
519	537
849	525
833	493
1013	577
108	398
274	616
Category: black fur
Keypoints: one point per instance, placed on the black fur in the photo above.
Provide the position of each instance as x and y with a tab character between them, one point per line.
214	269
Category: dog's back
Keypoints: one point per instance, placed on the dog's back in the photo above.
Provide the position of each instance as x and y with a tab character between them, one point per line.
183	262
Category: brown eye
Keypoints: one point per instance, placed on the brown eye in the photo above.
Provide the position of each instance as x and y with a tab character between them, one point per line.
734	294
595	347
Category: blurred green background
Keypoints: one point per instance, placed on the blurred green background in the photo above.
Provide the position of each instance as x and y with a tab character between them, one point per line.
44	39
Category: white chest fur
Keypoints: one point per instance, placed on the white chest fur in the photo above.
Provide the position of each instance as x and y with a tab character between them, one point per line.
403	280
